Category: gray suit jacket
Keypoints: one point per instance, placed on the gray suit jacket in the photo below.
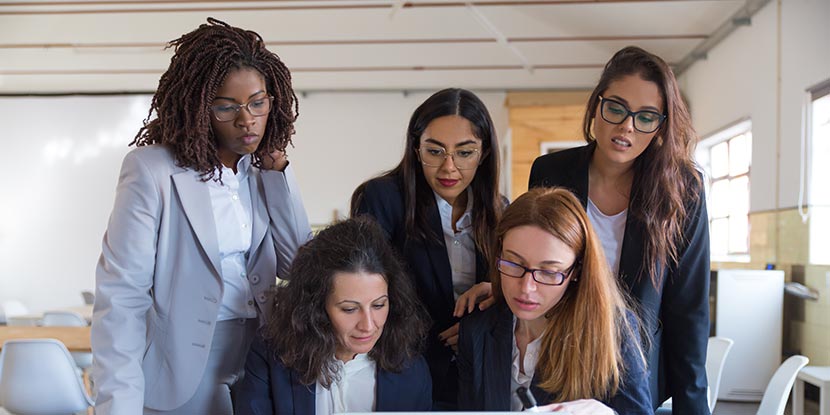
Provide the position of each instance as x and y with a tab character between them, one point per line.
159	284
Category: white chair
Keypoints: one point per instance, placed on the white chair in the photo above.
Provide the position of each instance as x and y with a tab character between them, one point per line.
69	319
778	388
11	310
716	351
38	376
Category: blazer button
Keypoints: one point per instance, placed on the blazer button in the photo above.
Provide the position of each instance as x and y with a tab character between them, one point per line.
261	298
254	279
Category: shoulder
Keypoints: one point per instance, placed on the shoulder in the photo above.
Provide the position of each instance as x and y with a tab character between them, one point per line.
565	158
380	186
156	158
480	322
550	169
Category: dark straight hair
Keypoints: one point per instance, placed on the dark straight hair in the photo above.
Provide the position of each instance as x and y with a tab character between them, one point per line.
418	197
666	183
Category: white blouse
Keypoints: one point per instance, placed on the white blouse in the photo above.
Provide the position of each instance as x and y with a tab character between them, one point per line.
461	246
519	378
354	392
610	230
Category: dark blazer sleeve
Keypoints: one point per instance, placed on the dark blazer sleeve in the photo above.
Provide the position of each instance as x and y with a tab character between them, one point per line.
685	316
409	390
467	390
633	396
252	394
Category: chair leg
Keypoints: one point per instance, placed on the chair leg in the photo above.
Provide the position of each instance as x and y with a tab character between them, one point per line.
88	387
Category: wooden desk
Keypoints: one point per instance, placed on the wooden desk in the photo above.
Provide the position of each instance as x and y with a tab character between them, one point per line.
76	339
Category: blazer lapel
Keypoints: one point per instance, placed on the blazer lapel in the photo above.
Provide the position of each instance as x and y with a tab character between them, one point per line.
498	354
437	251
259	212
195	197
303	396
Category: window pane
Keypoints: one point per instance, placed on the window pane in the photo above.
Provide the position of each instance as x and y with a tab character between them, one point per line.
819	190
719	236
739	196
719	199
720	160
738	231
739	155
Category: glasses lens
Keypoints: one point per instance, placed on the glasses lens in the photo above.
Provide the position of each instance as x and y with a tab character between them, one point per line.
225	112
510	269
260	107
550	277
613	111
433	156
647	121
463	159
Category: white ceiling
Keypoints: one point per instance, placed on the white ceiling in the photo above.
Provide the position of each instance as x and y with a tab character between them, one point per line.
56	46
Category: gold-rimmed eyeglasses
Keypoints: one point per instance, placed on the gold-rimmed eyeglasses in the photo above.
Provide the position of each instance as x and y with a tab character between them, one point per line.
463	159
228	112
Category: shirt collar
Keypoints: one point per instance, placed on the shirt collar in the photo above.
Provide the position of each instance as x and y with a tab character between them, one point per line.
445	210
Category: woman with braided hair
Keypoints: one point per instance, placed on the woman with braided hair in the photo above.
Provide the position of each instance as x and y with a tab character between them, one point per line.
207	213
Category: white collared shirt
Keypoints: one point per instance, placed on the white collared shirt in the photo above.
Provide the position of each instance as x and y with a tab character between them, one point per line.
610	230
354	392
461	246
519	378
232	214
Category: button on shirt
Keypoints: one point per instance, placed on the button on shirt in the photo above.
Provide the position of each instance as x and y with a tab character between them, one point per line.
519	378
353	392
231	201
461	247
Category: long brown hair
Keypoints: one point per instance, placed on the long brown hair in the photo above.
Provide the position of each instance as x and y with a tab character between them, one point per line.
581	354
665	178
299	331
186	91
418	197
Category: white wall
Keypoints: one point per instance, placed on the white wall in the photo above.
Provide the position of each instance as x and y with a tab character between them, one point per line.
739	80
63	155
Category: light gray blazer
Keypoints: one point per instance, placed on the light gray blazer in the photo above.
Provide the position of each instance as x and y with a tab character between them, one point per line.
158	281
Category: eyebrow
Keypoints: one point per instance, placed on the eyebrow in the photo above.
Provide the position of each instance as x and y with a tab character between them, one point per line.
463	143
521	258
624	101
261	91
358	302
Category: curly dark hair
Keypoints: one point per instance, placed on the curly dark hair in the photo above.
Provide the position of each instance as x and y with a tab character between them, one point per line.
186	91
299	331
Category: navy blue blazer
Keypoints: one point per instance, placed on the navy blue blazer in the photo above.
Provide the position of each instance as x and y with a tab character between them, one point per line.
269	388
676	315
485	361
429	266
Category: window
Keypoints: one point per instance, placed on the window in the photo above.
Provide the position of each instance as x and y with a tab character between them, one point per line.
726	157
819	201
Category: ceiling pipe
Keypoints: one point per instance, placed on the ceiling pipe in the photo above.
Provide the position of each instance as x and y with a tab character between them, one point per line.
742	17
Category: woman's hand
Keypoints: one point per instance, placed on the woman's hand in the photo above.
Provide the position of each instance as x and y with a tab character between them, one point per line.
580	407
450	337
275	161
466	302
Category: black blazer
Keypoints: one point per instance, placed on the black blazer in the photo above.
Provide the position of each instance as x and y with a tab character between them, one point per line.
677	315
429	266
269	388
485	360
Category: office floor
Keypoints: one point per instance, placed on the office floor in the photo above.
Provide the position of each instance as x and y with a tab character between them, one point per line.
750	408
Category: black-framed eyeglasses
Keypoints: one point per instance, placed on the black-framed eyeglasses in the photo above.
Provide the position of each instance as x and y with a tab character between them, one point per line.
616	112
542	276
463	159
228	112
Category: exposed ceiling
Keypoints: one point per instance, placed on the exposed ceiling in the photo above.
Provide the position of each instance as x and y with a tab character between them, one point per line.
118	45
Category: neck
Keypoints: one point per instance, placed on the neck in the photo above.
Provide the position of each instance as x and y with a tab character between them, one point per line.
531	329
344	356
459	206
608	171
229	159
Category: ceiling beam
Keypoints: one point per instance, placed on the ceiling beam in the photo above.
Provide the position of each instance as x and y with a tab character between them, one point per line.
133	6
357	42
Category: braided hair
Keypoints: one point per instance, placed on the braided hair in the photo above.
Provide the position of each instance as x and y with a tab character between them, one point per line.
182	102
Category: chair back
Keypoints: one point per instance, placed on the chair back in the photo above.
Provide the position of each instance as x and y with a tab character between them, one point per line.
89	297
63	318
38	377
716	352
14	308
779	387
